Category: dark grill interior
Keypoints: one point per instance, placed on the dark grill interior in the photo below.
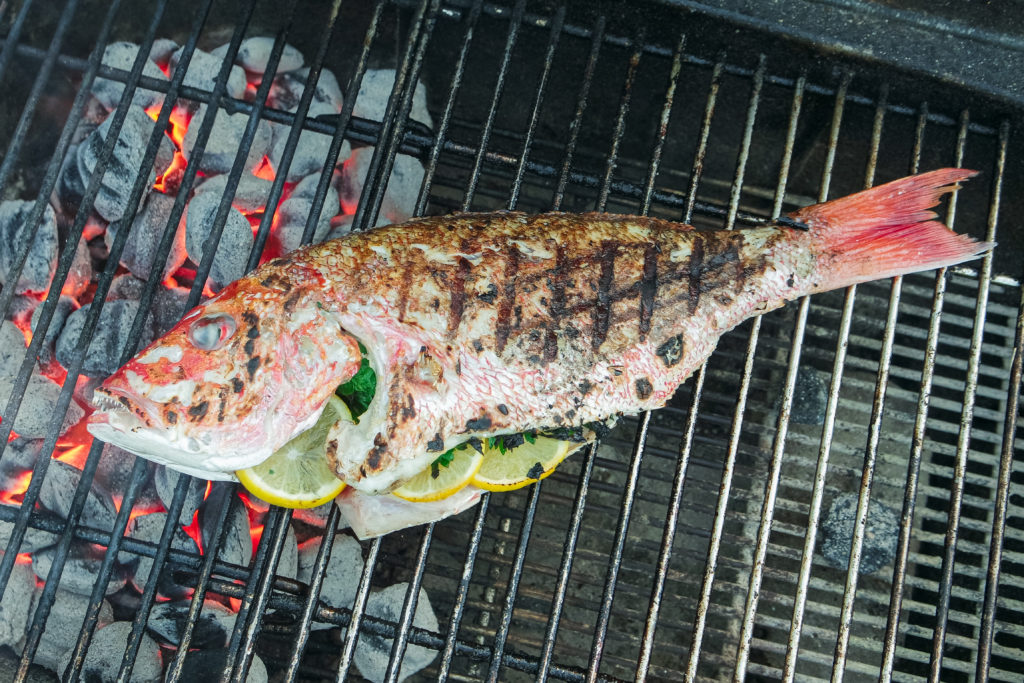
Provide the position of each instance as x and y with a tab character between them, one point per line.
692	541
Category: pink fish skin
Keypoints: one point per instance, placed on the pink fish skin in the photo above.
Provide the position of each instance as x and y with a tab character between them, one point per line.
483	324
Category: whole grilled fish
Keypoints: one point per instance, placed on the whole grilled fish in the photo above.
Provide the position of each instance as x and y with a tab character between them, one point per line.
485	324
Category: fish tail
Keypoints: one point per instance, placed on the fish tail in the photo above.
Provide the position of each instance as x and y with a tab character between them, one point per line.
888	230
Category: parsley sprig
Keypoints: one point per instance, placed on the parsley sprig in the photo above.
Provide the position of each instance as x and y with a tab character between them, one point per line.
358	391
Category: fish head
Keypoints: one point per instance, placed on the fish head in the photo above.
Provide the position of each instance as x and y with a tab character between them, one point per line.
232	382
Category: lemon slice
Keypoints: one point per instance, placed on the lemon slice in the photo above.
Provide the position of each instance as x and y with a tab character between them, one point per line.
297	474
435	483
523	465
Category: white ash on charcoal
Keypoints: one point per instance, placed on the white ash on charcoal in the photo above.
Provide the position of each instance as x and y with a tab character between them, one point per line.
203	69
374	91
125	163
311	149
80	275
211	630
254	53
290	223
162	50
121	55
109	339
236	240
166	480
880	534
63	624
199	663
250	194
169	305
126	286
106	651
149	528
344	570
58	491
140	248
15	234
114	473
810	394
37	406
16	602
12	349
65	307
373	652
236	547
70	188
288	88
226	137
18	460
403	186
34	539
81	568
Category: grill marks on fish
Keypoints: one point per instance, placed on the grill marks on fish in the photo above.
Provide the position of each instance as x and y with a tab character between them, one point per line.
587	284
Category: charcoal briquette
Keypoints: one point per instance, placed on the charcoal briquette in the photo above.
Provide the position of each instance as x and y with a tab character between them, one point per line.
311	149
225	139
211	630
139	255
290	223
16	604
203	69
250	194
81	567
344	569
166	480
199	663
121	55
880	534
37	406
374	91
254	53
15	234
106	652
109	339
149	528
63	624
65	306
236	239
58	491
373	652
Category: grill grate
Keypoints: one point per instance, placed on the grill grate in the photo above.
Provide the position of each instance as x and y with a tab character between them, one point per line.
688	543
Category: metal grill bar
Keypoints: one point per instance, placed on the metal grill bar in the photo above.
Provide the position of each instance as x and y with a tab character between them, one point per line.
966	419
409	608
515	23
992	574
396	115
299	122
453	92
914	462
875	423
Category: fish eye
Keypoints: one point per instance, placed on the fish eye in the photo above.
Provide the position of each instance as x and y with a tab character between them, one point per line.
211	331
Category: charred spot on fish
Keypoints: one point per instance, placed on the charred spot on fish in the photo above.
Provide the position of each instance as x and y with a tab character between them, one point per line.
198	411
790	280
490	295
550	346
570	414
291	302
250	347
503	409
671	352
221	408
237	385
170	416
332	448
478	424
373	457
250	318
253	333
571	332
458	367
533	358
535	472
435	445
478	345
409	409
435	304
585	386
123	400
643	388
252	366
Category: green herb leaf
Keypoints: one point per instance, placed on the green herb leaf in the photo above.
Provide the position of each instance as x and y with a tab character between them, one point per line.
445	459
358	392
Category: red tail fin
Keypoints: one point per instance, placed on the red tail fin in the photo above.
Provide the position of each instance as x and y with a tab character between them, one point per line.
889	230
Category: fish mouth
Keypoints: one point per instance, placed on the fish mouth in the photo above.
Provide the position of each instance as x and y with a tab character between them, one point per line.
132	423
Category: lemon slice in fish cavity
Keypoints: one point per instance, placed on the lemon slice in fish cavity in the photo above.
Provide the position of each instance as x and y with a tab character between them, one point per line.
523	465
297	474
440	481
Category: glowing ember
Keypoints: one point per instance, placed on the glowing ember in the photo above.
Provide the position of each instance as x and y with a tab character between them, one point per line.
14	493
194	532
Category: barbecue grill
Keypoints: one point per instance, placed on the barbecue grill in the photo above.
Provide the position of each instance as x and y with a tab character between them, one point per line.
836	493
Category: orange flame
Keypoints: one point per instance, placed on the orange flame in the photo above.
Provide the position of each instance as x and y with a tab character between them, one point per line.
194	533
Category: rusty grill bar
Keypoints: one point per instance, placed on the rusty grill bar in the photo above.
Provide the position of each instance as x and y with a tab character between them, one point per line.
629	112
